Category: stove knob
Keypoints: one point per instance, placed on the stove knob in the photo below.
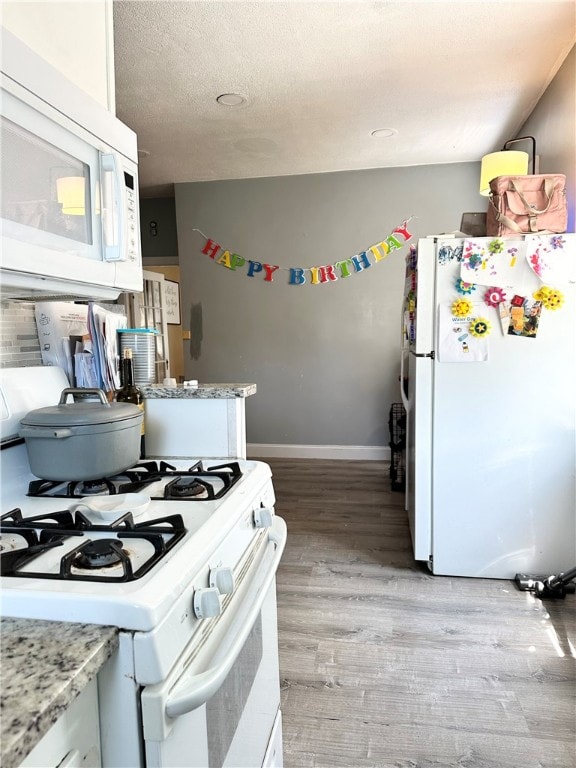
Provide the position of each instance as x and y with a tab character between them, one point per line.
223	579
262	517
207	603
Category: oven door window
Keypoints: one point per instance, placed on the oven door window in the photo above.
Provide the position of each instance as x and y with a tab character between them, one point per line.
224	710
232	729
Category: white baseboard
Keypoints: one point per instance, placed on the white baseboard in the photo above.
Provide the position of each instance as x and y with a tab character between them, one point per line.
349	452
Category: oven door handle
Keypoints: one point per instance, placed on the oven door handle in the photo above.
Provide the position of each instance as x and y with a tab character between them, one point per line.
202	687
157	708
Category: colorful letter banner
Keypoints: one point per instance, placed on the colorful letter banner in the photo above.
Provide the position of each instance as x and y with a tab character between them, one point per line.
327	273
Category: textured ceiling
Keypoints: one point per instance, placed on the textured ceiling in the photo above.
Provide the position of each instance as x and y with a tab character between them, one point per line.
454	80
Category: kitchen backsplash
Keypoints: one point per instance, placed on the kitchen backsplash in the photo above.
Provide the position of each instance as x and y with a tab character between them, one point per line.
19	345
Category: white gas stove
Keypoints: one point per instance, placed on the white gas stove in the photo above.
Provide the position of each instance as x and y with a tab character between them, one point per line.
181	557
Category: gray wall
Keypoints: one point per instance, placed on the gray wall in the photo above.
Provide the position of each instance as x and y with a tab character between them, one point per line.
325	357
553	125
158	231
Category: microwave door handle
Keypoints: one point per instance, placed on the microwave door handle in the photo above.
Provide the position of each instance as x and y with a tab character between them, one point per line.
159	709
113	207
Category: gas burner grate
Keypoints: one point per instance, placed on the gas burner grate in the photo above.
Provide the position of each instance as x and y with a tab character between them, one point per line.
44	532
10	559
181	484
61	519
140	475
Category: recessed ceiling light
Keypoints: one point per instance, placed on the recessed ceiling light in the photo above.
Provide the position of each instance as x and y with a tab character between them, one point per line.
384	133
231	99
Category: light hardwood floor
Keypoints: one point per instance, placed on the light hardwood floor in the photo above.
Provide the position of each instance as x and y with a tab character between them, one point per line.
384	665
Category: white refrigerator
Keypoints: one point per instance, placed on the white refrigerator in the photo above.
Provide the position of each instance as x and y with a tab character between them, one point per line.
488	381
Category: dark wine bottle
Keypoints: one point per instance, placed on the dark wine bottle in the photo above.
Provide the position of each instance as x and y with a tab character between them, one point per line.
130	393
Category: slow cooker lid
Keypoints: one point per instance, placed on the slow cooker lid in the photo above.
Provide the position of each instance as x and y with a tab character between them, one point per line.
81	414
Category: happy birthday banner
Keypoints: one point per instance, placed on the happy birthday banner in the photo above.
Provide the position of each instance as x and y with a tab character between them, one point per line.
317	275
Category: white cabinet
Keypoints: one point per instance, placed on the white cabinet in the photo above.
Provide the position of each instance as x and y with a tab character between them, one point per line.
207	428
74	740
79	42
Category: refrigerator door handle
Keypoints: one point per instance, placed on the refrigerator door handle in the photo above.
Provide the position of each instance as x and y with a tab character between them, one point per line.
405	351
431	355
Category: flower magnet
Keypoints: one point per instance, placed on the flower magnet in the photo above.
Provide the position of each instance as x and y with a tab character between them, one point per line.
551	298
494	296
496	245
463	287
461	307
480	327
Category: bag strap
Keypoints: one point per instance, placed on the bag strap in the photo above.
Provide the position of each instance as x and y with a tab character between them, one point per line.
501	218
510	223
548	191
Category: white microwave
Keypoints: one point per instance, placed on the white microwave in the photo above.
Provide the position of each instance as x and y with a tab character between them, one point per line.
69	210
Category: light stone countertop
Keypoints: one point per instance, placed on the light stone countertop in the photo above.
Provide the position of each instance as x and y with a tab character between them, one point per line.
201	392
44	666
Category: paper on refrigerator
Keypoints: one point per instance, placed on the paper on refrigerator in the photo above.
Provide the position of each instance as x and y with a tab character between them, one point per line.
552	258
495	262
455	342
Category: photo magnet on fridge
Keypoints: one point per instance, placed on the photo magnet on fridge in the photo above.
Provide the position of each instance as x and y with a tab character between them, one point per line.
524	317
